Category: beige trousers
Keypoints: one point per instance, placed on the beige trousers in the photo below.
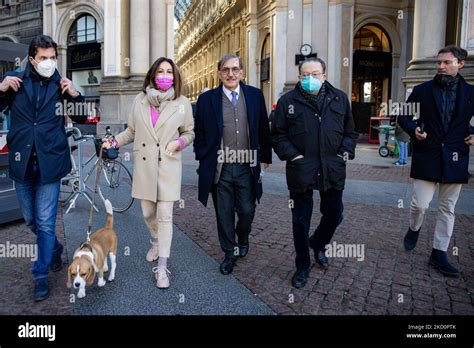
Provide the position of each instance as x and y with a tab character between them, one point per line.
423	192
159	219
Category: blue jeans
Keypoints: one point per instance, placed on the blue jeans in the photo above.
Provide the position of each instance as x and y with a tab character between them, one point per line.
39	204
403	152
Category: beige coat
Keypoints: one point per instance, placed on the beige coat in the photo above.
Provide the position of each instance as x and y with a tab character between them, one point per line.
157	175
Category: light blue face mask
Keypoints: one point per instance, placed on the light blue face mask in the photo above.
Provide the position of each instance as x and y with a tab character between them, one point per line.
311	84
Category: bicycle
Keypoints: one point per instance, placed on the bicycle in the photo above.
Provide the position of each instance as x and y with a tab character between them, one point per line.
115	180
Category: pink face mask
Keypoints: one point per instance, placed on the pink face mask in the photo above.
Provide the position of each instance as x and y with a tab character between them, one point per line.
164	83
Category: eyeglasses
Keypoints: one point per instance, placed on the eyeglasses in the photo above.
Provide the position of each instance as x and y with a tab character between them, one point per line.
226	71
314	74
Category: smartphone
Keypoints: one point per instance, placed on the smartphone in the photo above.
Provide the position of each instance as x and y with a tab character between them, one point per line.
422	128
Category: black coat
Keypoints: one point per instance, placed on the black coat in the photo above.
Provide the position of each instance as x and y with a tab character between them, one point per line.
293	134
37	124
209	127
441	157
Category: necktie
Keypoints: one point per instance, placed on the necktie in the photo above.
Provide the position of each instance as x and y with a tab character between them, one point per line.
234	98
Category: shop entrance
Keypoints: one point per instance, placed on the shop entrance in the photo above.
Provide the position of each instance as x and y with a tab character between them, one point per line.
371	76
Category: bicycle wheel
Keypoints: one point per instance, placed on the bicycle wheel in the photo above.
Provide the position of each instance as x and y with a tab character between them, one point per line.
115	184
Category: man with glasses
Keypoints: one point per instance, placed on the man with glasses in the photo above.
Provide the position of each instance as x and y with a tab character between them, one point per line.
232	140
313	131
441	139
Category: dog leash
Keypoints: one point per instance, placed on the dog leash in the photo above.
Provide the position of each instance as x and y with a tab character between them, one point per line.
91	212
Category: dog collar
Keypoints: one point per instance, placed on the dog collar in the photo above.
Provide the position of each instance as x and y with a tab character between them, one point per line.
90	255
85	253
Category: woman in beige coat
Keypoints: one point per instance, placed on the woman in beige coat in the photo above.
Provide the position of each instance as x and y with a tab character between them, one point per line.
160	126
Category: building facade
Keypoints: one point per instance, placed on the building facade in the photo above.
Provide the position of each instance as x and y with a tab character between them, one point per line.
107	46
208	30
20	22
376	50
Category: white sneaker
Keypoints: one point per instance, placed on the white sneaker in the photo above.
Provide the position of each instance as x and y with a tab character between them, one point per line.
161	275
152	254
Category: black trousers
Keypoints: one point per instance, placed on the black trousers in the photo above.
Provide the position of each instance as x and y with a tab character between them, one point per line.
234	194
331	208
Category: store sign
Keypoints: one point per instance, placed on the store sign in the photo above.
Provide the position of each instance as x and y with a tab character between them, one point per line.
373	64
86	56
299	58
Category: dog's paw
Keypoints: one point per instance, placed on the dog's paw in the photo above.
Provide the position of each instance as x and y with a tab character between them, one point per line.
101	282
81	293
106	268
111	278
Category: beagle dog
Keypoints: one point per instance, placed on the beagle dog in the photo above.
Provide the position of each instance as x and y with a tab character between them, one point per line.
91	257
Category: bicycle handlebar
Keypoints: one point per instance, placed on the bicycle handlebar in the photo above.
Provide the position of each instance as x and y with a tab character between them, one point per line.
77	134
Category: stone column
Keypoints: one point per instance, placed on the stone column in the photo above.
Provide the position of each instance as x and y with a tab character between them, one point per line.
279	57
294	40
116	43
158	30
307	22
340	43
115	95
169	34
251	71
319	36
429	28
429	33
140	37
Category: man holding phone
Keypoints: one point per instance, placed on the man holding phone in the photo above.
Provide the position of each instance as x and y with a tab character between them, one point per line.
441	139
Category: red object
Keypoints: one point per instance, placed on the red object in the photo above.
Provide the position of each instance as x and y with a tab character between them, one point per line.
93	120
5	148
274	106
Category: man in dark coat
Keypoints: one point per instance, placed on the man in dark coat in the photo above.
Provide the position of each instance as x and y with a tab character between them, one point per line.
313	131
232	140
39	154
441	140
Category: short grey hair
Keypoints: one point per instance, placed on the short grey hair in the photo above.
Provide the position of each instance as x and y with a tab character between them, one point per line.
228	57
317	60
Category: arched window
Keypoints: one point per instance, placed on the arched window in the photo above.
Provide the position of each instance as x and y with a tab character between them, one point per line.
371	37
83	30
265	60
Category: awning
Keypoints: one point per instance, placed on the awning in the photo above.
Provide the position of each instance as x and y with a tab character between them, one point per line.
10	51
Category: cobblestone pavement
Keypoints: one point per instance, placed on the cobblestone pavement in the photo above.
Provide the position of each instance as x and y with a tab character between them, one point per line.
16	280
388	281
384	173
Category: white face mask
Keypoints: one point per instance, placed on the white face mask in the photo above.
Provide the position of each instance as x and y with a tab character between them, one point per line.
46	68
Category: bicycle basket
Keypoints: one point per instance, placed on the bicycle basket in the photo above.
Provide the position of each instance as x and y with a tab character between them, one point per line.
107	154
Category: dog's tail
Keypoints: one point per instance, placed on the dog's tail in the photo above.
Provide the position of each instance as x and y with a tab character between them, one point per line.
110	213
